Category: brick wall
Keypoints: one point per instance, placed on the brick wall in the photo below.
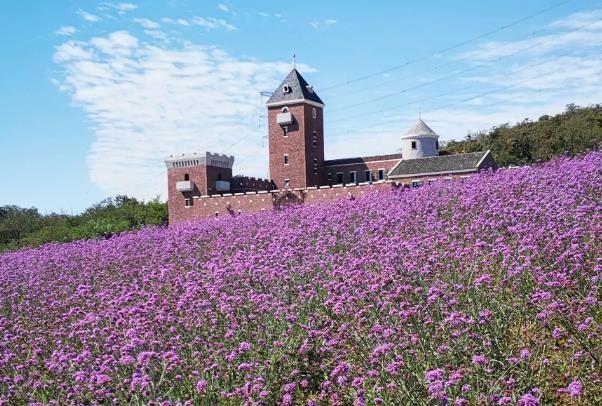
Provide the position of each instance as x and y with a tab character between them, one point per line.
249	184
251	202
298	143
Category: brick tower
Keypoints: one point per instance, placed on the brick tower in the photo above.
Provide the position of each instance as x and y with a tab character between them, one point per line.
296	134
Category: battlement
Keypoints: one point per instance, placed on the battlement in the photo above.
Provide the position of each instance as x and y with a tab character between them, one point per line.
199	159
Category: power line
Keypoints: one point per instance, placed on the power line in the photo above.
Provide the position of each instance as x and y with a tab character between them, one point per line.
479	94
437	67
356	116
447	49
469	69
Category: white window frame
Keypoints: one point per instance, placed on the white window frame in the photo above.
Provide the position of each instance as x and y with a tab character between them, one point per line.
314	113
368	176
287	183
384	172
353	179
342	178
187	202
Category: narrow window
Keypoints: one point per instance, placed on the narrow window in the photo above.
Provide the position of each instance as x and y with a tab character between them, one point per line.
287	183
286	159
352	177
437	144
285	131
186	176
219	176
339	177
368	176
381	174
329	176
316	162
216	214
413	144
187	202
313	113
314	143
285	109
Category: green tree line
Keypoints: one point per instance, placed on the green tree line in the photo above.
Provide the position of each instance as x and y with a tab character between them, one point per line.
575	130
20	227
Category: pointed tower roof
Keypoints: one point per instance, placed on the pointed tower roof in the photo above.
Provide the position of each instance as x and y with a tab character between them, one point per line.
420	129
294	88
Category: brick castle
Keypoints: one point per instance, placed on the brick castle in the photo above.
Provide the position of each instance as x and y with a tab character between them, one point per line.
201	185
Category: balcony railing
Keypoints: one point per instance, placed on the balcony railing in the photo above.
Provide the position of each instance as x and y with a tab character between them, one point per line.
185	186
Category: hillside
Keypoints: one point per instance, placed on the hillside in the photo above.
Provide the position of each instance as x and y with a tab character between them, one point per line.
482	292
574	131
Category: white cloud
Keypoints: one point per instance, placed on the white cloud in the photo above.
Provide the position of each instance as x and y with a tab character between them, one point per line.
582	29
146	23
592	18
210	23
89	17
146	100
66	30
121	8
319	25
223	7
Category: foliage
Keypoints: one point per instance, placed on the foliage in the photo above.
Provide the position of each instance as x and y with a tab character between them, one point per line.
576	130
20	227
478	292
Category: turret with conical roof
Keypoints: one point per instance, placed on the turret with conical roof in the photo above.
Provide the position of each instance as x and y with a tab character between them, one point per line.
419	142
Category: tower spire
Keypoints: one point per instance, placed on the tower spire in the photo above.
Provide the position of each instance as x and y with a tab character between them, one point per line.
294	60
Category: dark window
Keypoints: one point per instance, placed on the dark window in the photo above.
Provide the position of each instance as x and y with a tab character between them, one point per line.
340	177
352	177
287	183
314	143
315	161
219	176
313	113
188	202
381	174
413	144
285	130
368	176
437	144
286	159
186	176
330	176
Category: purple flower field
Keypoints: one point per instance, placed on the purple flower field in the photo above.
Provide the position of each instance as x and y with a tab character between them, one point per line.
483	292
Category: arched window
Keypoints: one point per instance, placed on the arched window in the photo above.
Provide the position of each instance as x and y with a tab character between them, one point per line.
186	176
285	109
313	113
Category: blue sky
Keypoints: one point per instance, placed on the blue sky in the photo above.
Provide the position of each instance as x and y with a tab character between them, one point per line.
96	94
